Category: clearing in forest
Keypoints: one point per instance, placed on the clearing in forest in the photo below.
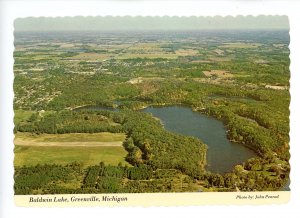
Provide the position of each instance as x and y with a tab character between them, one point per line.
86	156
218	73
84	148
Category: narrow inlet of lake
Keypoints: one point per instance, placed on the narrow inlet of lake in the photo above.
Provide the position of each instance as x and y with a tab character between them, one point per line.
222	154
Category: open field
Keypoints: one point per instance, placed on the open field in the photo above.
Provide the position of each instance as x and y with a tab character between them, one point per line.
218	73
33	155
87	149
70	140
91	56
149	56
21	115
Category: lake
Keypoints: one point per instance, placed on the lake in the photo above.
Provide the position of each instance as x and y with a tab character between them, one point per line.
222	154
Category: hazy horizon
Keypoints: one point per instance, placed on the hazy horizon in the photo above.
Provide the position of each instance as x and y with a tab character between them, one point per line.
139	23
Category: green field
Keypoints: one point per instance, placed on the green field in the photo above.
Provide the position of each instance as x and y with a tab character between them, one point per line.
84	148
32	155
21	115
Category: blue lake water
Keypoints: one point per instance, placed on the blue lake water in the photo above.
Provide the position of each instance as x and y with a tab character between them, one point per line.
222	154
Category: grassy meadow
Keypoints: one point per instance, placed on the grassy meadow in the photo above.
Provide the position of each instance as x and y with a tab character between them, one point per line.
33	155
84	148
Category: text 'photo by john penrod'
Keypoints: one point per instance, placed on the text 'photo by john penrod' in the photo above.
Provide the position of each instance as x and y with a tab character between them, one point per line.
151	104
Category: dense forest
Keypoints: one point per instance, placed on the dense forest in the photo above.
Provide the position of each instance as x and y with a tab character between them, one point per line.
55	179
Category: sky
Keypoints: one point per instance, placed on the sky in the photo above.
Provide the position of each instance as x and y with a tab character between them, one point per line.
110	23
